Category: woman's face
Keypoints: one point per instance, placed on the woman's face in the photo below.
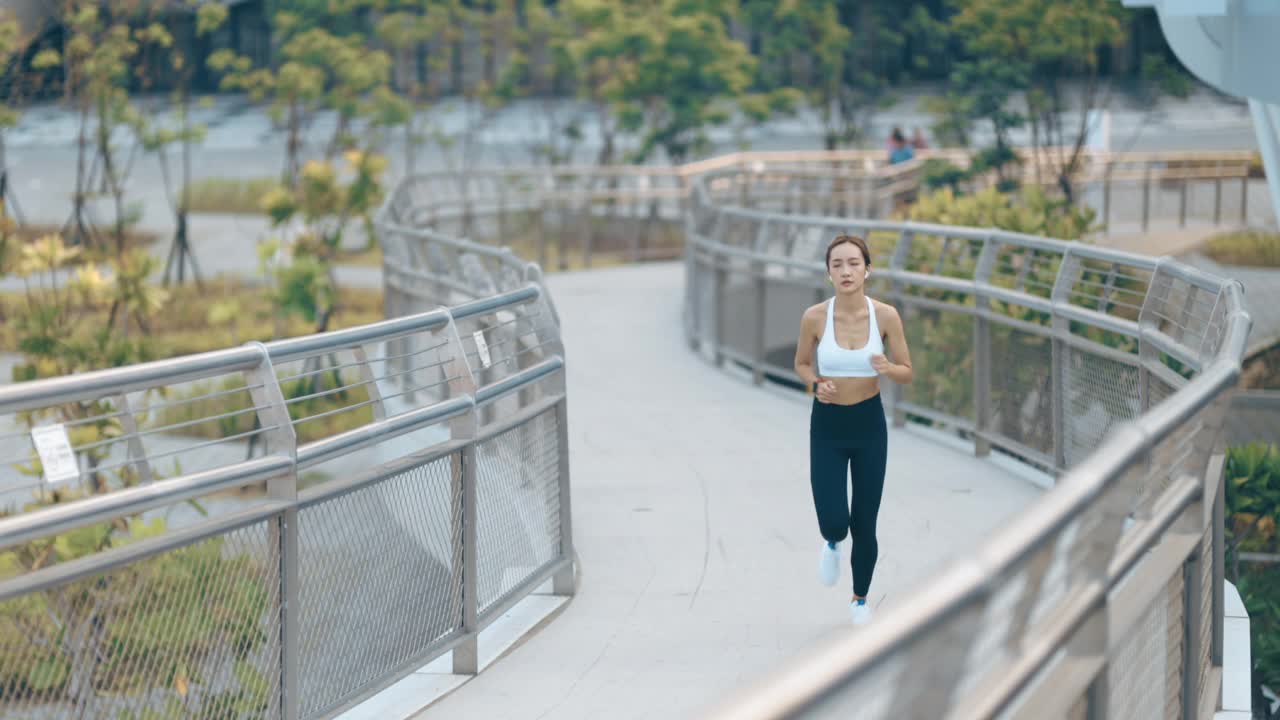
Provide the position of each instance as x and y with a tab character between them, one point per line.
847	267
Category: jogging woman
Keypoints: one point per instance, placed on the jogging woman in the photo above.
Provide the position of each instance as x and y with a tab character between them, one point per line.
849	334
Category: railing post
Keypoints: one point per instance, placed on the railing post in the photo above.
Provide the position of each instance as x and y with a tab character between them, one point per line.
1217	193
1217	479
1106	198
898	263
562	582
466	656
1191	599
264	390
719	282
982	349
759	289
1182	203
1067	271
463	503
1146	197
1244	198
1156	296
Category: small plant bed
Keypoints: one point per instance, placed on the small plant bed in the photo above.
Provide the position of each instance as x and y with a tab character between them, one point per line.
1247	248
224	313
360	258
230	195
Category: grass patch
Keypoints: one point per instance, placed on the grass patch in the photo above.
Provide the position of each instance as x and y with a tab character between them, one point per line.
361	258
1250	248
186	325
1262	372
104	242
230	195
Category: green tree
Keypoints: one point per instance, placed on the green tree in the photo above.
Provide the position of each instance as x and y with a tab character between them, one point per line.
847	56
1252	475
324	204
541	65
405	29
666	70
318	70
1022	55
12	46
157	136
808	46
95	64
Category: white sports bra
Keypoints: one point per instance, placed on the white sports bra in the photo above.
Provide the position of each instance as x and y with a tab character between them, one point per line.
835	361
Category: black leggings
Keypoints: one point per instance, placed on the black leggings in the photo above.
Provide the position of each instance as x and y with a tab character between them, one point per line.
856	435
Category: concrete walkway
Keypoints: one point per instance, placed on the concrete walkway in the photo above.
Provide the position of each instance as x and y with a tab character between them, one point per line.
694	526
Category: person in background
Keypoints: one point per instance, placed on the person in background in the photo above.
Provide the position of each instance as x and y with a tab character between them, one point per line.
917	140
899	150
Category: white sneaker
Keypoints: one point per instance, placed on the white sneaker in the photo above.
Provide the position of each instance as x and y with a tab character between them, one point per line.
829	564
860	612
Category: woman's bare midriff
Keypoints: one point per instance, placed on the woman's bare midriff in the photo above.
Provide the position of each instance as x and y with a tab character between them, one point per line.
853	390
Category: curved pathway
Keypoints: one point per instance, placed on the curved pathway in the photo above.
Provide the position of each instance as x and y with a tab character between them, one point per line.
693	522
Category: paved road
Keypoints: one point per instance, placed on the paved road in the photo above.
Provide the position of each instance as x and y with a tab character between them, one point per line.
693	522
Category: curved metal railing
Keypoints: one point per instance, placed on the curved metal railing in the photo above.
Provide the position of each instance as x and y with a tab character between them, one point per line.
1109	370
340	558
361	502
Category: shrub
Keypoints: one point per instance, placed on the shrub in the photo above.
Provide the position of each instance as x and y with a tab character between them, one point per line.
229	195
1253	512
1254	248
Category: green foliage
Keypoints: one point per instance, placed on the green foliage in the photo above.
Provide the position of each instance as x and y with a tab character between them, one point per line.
1017	52
321	69
1255	248
1252	476
228	195
942	343
1032	211
11	44
325	204
666	70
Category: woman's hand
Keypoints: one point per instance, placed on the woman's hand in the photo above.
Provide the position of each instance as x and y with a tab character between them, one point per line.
880	364
826	391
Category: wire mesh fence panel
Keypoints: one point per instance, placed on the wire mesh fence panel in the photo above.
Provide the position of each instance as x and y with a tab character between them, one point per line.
380	580
1099	394
942	358
1204	625
518	506
188	632
1027	269
1144	674
1022	387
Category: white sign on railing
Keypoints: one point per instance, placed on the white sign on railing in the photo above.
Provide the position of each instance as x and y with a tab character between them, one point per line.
56	456
482	348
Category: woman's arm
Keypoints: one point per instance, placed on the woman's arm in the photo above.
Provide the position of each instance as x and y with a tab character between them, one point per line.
804	365
895	341
810	329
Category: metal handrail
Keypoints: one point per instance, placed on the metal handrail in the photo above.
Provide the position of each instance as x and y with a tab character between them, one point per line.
969	584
